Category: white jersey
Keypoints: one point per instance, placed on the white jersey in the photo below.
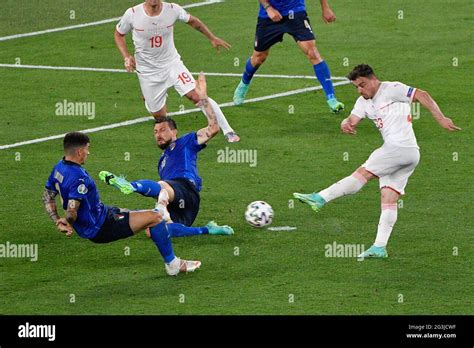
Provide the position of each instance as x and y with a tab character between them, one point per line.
153	36
390	109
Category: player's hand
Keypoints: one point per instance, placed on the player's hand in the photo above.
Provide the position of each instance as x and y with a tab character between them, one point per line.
201	86
274	15
130	64
217	43
64	227
448	124
328	15
348	128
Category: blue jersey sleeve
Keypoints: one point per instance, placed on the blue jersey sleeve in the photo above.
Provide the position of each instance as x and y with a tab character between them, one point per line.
79	188
50	183
191	142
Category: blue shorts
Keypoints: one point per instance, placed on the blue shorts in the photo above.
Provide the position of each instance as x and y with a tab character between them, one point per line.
185	206
269	33
116	226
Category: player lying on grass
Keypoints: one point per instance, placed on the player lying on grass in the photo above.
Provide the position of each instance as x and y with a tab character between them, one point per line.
178	190
157	62
90	218
275	19
387	104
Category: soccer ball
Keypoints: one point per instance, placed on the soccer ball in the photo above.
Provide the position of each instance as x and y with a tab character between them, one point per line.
259	214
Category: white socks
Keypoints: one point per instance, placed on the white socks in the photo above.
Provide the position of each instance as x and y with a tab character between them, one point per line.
221	120
347	186
388	217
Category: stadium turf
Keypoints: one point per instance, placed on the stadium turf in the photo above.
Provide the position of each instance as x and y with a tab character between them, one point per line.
429	270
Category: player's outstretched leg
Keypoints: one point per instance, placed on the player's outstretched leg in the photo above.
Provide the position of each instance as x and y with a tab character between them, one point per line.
314	200
215	229
118	182
180	230
173	264
347	186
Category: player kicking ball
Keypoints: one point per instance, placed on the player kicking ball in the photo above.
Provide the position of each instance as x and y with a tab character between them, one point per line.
275	19
178	190
387	104
157	62
90	218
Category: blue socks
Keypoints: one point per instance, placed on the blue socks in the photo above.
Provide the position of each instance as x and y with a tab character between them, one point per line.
248	73
179	230
324	76
160	235
147	188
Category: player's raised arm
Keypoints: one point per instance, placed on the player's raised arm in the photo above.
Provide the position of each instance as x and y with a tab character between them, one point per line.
328	14
206	134
428	102
216	42
349	124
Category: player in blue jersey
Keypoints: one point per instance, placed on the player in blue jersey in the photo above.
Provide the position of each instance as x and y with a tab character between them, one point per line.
90	218
177	192
275	19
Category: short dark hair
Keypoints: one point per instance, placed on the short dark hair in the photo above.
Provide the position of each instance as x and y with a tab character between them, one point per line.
361	70
75	139
168	120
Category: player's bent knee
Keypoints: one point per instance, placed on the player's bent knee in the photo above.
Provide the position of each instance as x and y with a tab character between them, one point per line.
259	58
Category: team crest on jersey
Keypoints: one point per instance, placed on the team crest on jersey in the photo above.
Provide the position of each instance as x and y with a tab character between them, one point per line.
82	189
163	163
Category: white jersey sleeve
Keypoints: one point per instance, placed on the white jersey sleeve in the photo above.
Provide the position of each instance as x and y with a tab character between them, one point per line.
181	14
401	92
359	108
125	24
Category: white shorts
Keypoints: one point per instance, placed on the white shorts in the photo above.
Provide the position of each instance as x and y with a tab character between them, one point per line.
393	165
155	86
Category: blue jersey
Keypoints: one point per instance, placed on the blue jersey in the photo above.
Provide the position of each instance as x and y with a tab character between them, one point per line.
72	181
284	7
179	160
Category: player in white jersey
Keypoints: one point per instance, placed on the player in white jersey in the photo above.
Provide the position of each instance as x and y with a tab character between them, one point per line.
387	104
157	62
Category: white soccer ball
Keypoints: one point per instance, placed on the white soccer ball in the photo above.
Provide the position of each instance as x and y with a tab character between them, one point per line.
259	214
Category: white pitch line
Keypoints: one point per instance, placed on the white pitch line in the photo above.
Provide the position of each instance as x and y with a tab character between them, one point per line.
104	21
148	118
74	68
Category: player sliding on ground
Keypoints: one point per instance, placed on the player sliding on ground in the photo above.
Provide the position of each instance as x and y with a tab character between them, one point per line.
275	19
178	191
387	104
157	62
90	218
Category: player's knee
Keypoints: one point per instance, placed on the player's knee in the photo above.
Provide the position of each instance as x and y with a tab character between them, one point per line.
314	56
259	58
161	113
155	218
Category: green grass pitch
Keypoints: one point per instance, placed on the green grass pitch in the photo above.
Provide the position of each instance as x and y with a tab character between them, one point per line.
429	270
